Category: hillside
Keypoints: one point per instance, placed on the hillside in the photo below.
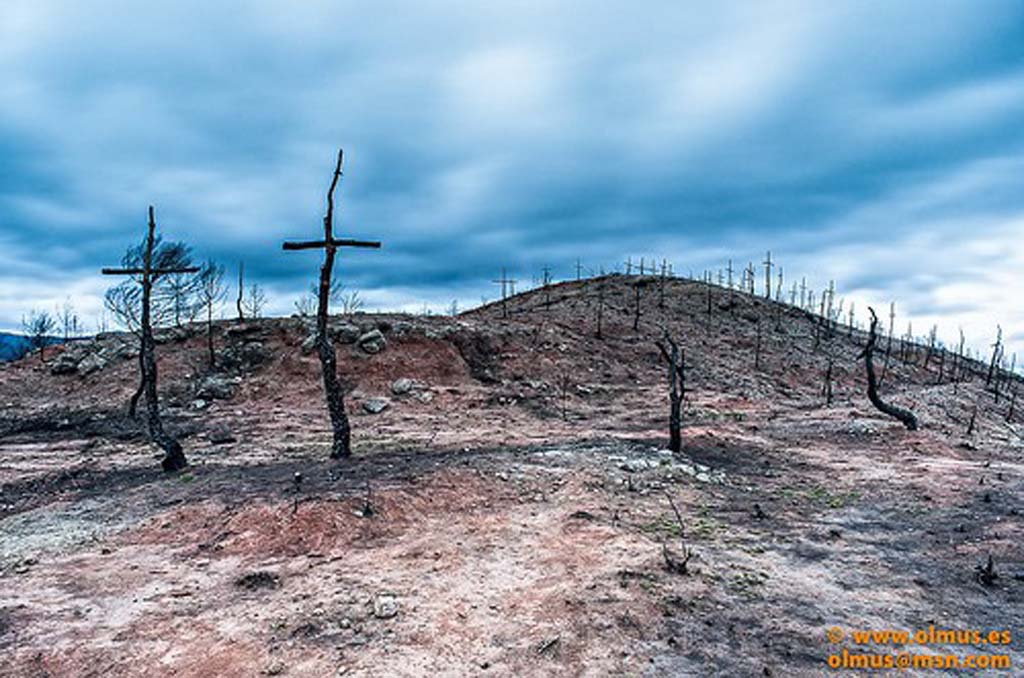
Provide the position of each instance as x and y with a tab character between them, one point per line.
507	510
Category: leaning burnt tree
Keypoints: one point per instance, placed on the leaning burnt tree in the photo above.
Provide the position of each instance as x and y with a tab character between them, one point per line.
147	274
905	416
342	446
676	360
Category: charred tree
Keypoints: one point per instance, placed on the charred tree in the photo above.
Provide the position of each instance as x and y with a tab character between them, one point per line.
905	416
676	360
342	443
506	283
757	347
826	389
637	290
211	294
150	272
997	350
38	326
240	299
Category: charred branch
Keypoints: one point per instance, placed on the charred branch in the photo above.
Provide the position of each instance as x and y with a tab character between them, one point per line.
903	415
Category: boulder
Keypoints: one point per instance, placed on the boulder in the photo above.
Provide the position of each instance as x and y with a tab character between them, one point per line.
372	341
345	333
216	387
403	386
66	363
245	330
91	363
244	356
123	351
376	405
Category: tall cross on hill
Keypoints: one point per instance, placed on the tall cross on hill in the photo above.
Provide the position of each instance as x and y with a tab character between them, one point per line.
506	283
341	446
174	457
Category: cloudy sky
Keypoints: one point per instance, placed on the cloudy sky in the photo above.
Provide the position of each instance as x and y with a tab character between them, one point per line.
877	143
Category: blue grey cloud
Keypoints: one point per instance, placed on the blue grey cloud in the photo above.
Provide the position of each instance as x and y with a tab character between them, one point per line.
875	143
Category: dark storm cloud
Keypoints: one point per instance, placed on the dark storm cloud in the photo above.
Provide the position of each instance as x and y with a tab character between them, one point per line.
874	143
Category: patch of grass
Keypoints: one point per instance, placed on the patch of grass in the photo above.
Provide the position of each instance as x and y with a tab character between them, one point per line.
665	524
705	528
748	584
186	477
843	499
822	496
817	494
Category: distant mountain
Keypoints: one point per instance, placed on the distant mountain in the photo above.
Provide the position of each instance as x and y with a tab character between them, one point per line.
14	346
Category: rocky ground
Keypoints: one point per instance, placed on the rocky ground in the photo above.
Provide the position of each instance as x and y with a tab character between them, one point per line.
509	508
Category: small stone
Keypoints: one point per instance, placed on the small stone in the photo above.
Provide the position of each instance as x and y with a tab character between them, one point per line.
385	606
221	435
308	345
215	387
376	405
274	669
402	386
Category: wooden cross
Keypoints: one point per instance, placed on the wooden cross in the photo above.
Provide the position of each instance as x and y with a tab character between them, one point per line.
579	269
729	270
547	291
505	282
328	362
768	275
174	457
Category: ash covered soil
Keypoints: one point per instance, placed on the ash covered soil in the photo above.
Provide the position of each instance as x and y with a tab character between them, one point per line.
508	510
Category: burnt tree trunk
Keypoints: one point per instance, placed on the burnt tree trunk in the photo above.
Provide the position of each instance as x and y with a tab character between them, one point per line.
676	360
827	388
241	292
342	445
133	403
636	305
905	416
209	337
174	457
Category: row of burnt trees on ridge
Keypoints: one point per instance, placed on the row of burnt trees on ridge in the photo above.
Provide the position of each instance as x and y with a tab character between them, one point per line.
829	317
831	313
